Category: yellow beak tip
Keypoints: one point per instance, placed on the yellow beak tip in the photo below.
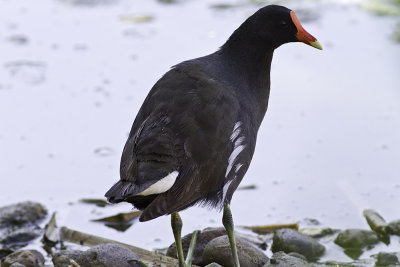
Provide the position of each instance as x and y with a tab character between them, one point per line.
316	44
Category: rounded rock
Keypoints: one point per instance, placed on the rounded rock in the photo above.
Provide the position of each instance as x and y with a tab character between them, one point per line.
203	238
218	250
20	237
356	238
387	259
281	259
22	213
289	240
100	256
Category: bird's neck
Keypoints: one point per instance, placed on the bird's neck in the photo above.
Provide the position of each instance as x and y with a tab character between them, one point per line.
250	63
253	57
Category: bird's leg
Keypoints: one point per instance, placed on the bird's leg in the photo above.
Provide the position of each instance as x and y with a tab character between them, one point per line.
227	221
176	223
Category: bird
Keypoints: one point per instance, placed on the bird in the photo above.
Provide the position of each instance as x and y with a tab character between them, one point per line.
194	136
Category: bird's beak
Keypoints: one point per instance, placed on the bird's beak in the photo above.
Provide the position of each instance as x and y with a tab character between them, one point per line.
302	35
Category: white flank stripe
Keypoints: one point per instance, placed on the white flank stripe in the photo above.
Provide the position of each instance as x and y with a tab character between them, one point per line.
232	158
160	186
238	166
237	148
239	141
225	189
236	130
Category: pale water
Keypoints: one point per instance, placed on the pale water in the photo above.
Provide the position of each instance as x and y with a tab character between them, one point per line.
73	76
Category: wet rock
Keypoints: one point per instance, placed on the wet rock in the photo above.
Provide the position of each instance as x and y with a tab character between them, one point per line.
387	259
394	227
22	213
375	221
202	240
20	237
356	238
100	256
281	259
28	258
205	236
218	250
288	240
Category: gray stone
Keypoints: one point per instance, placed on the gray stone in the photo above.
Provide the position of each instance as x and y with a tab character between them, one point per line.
202	240
289	240
20	237
356	238
387	259
205	236
21	213
17	264
281	259
99	256
28	258
218	250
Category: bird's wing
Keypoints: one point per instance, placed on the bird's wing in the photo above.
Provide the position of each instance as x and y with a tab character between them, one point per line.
201	113
149	156
182	129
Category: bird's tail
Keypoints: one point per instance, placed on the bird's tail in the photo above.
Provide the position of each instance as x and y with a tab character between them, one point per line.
119	191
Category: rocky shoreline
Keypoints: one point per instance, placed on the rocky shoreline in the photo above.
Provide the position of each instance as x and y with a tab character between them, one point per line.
290	246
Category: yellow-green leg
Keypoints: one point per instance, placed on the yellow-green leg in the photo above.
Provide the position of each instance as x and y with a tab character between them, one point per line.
176	223
227	221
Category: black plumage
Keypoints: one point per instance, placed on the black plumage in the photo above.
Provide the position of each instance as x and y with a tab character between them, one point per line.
201	119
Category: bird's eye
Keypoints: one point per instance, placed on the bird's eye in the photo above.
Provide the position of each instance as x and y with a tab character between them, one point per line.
284	24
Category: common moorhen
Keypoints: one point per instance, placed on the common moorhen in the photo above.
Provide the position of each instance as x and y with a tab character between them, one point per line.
194	136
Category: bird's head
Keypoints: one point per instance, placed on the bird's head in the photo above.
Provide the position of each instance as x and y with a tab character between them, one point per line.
278	25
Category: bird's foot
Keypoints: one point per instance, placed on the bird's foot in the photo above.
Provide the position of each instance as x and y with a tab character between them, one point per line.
190	252
176	223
